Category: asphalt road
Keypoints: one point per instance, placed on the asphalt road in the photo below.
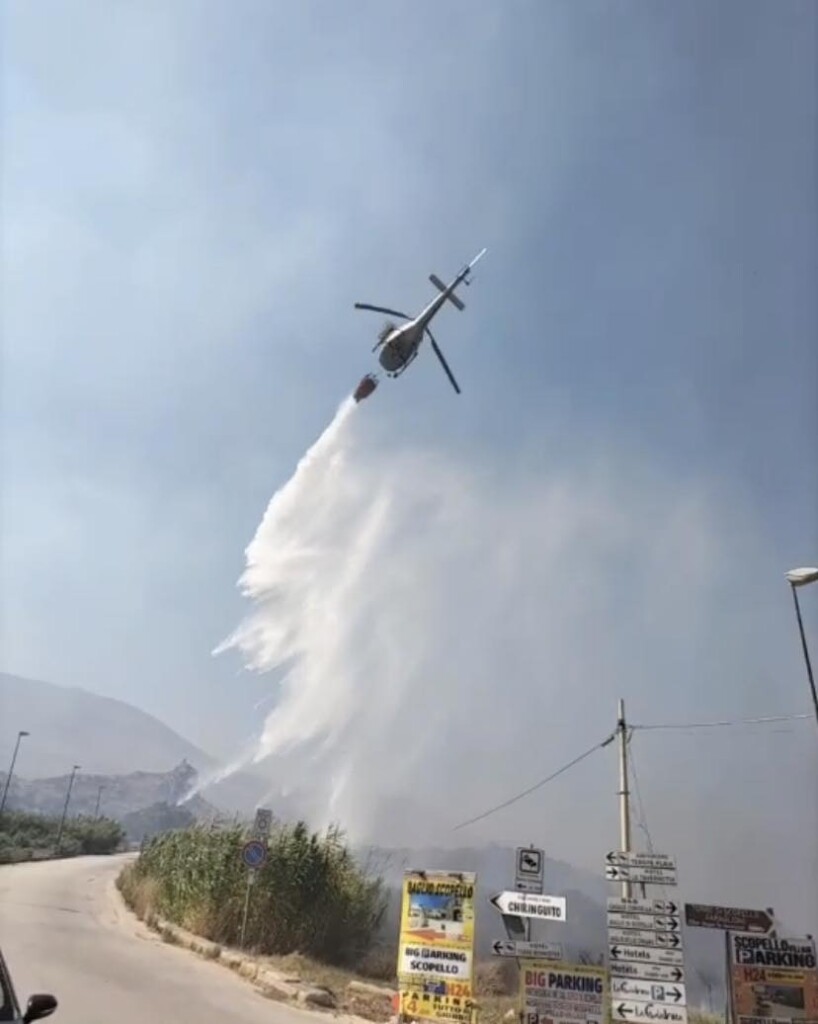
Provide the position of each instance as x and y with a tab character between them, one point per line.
63	930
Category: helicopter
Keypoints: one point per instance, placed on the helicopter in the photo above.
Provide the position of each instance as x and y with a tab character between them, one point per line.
400	345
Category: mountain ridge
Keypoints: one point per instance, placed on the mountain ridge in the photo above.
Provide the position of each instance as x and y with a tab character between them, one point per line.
106	736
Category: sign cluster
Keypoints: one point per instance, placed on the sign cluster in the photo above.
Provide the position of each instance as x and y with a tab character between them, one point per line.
645	945
771	980
528	902
551	990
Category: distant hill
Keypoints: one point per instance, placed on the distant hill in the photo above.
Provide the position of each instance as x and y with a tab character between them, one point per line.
144	802
106	736
121	794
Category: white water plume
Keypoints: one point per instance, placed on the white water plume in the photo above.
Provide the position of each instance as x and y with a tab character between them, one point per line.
425	622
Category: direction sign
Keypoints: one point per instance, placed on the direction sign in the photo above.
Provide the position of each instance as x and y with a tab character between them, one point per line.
656	922
647	1013
650	876
732	919
254	854
646	972
646	955
631	905
658	861
529	950
649	991
530	870
545	908
664	940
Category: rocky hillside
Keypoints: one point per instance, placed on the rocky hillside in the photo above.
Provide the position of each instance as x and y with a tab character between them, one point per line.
107	737
144	802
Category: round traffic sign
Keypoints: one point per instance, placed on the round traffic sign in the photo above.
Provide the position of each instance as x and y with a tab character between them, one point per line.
254	854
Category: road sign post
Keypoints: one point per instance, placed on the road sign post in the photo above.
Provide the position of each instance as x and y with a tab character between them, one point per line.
521	907
254	857
645	945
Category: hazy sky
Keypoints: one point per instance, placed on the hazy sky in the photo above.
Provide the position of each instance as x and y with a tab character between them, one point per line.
194	195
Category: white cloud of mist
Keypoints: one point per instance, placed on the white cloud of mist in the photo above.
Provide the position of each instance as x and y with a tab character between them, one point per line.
442	635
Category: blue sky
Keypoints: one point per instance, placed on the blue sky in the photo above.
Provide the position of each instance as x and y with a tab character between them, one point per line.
195	194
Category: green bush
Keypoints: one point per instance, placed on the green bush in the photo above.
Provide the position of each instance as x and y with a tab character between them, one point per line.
310	897
31	836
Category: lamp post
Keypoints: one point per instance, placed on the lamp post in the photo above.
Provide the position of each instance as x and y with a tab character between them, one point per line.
800	578
74	771
20	735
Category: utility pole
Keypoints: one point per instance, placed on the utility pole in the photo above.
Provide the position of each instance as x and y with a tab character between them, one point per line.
99	797
20	735
74	771
624	792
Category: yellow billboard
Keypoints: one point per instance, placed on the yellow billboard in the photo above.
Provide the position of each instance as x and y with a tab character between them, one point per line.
436	949
563	993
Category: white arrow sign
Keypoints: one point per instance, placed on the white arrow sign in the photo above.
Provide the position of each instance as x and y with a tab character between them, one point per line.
529	950
660	861
546	908
656	922
646	972
648	1013
662	940
646	955
649	991
650	876
631	905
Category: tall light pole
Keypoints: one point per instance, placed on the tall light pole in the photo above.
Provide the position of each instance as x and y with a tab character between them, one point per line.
20	735
99	797
800	578
74	771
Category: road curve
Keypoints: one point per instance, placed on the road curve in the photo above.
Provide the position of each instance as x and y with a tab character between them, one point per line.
64	930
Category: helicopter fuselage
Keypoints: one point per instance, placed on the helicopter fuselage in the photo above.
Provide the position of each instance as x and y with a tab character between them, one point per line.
400	347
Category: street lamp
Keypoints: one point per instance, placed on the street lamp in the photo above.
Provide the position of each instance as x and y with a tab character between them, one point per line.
20	735
800	578
74	771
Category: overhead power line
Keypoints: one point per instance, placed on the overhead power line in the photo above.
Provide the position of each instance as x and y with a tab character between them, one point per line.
715	725
604	743
537	785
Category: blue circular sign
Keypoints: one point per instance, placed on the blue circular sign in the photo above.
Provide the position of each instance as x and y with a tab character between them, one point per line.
254	854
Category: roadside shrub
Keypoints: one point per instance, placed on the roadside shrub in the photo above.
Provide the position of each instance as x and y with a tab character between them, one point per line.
34	836
310	897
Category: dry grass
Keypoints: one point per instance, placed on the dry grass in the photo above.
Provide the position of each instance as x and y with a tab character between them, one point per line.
297	967
140	894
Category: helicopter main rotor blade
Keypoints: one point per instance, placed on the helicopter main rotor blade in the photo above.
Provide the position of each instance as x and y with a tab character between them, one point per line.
381	309
443	362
